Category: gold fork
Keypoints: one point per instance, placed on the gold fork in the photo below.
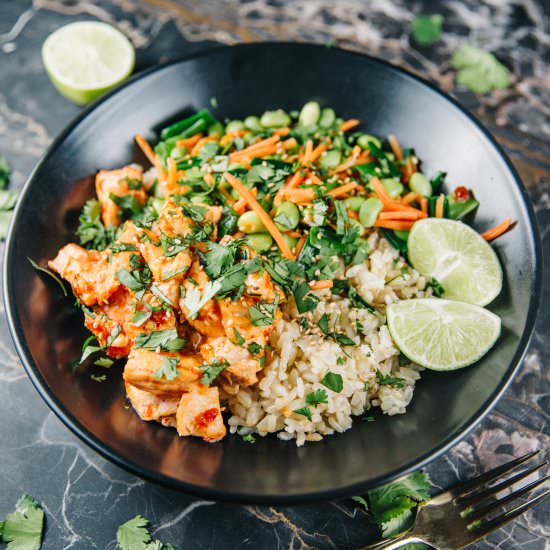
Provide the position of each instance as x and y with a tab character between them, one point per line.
456	518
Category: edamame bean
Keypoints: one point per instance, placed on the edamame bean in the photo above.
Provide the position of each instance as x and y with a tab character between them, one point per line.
292	242
253	123
393	187
420	184
355	203
260	242
250	222
178	152
331	159
369	211
274	119
287	216
328	116
234	126
309	114
364	139
216	129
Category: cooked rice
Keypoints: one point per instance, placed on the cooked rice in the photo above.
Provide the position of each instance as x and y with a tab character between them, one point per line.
300	358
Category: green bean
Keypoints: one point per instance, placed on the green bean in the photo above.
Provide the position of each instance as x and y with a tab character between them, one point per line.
369	211
328	116
253	123
393	187
420	184
364	139
309	114
178	152
183	125
355	203
260	242
234	126
290	241
275	119
287	216
216	129
250	222
331	159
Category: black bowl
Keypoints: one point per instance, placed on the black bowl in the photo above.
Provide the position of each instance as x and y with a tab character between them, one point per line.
250	79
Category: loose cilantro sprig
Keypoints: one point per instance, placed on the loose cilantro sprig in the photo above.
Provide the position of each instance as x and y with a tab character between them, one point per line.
168	368
426	29
212	370
134	535
22	529
386	380
165	340
338	337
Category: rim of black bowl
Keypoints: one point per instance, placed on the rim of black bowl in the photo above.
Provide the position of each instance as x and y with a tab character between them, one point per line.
103	448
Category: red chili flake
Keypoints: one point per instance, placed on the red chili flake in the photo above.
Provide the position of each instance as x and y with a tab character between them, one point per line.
462	194
206	417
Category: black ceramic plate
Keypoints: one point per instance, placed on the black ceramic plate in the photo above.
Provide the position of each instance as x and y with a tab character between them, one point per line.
250	79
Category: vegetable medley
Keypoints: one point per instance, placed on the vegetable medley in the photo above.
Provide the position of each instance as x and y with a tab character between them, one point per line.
183	269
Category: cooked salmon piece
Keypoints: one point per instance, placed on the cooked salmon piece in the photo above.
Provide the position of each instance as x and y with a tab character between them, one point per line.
199	413
242	364
121	182
235	315
89	272
165	267
150	406
142	371
173	222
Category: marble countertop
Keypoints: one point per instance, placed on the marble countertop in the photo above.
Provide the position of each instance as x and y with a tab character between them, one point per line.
85	498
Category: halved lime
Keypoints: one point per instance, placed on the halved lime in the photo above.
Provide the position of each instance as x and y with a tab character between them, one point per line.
458	257
86	59
442	334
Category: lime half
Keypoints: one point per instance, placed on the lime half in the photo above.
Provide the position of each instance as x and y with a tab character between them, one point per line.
86	59
458	257
442	334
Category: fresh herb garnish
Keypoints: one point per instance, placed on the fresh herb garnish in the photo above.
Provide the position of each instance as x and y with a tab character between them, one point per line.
122	247
4	173
50	273
168	368
340	338
22	529
195	212
254	348
194	300
212	370
333	381
436	287
104	362
172	246
263	313
426	29
249	438
239	340
165	340
386	380
316	397
304	298
161	296
129	205
304	411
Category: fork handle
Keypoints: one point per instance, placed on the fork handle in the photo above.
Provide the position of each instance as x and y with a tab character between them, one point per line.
395	543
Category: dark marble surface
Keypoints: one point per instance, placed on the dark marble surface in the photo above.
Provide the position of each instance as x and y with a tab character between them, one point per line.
85	497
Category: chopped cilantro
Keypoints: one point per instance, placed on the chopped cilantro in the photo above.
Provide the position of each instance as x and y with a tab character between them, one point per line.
161	296
426	29
172	246
342	218
249	438
129	205
168	368
22	529
304	298
49	273
304	411
338	337
194	300
316	397
122	247
140	317
340	361
98	378
436	287
104	362
194	211
254	348
320	208
304	323
165	340
333	382
133	534
263	313
219	258
212	370
239	340
4	173
91	232
386	380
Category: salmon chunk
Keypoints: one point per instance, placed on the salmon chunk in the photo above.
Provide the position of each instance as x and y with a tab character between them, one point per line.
90	274
199	413
121	182
150	406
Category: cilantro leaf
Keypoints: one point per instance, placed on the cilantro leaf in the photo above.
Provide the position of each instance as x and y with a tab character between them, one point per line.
172	246
168	368
228	222
479	71
333	382
50	273
426	29
317	397
249	438
194	300
134	534
342	218
437	288
129	205
219	258
254	348
304	411
212	370
161	296
22	529
320	208
4	173
384	380
166	340
239	340
194	211
304	298
338	337
122	247
263	313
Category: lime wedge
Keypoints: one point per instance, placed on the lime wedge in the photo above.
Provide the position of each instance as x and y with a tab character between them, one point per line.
442	334
459	258
86	59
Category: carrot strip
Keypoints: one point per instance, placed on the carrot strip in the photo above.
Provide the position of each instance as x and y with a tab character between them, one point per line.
289	143
364	157
240	205
299	196
349	124
309	149
172	173
228	138
401	215
343	189
315	178
256	153
350	161
262	214
320	285
281	132
300	245
255	146
399	225
387	201
424	205
395	147
201	142
439	203
208	178
150	154
293	234
189	142
410	197
498	230
318	151
408	170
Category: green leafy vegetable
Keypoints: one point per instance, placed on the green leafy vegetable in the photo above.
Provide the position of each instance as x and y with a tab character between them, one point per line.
436	286
426	29
340	338
333	382
49	273
168	368
4	173
304	298
212	370
263	313
194	300
254	348
165	340
316	397
304	411
134	534
172	246
122	247
239	340
22	529
386	380
479	70
249	438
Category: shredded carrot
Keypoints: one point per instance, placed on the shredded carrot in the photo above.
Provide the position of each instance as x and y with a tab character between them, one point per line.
240	205
318	151
401	215
256	153
256	146
320	285
293	234
289	143
300	245
308	151
350	161
387	201
262	214
395	147
399	225
349	124
150	154
208	178
424	205
229	137
439	204
295	180
315	178
189	142
299	196
498	230
197	147
410	197
363	158
172	173
281	131
352	214
408	170
343	189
